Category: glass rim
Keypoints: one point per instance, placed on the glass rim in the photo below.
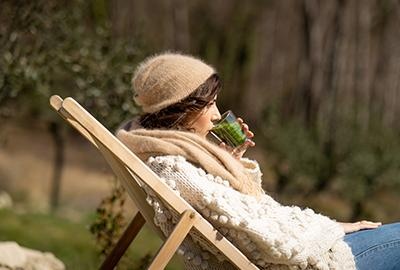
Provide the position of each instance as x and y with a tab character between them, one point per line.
224	116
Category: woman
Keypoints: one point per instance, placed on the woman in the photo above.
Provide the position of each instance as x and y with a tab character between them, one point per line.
177	94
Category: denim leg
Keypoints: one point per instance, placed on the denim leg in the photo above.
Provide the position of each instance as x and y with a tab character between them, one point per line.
377	249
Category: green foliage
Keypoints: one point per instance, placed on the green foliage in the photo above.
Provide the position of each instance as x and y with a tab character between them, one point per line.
110	220
371	162
350	162
71	242
50	49
108	226
52	234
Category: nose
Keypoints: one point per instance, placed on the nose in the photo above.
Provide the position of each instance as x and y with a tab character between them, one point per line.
216	114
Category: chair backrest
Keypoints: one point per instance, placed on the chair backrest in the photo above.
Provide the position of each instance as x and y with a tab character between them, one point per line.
132	173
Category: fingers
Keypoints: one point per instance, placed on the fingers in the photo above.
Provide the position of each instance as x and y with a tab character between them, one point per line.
225	146
369	222
242	148
245	128
248	143
249	134
365	224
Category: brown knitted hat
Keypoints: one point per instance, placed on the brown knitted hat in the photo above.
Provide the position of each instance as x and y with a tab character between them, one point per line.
167	78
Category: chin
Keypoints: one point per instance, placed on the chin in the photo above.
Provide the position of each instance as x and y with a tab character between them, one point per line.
204	134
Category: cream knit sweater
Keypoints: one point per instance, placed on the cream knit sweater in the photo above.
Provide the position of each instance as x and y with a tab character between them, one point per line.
271	235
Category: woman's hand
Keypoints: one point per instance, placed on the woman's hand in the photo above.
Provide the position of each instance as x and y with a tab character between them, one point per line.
239	151
359	225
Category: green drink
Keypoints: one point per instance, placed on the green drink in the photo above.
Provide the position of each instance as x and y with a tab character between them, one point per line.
228	130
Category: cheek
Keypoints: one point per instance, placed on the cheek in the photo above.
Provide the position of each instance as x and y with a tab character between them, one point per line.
203	124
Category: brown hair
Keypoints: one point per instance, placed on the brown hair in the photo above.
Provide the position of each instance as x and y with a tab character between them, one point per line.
182	113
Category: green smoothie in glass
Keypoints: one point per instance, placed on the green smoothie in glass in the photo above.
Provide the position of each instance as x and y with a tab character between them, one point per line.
229	130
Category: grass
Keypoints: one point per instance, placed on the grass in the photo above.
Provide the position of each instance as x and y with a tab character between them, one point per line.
72	242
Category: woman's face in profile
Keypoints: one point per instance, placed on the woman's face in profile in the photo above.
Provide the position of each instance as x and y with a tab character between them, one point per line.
203	123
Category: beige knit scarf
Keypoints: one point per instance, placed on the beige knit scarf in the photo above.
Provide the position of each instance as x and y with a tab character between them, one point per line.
216	161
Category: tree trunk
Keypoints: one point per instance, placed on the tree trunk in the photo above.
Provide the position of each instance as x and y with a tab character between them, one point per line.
56	134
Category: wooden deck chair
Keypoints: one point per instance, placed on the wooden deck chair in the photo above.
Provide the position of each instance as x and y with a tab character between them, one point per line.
132	173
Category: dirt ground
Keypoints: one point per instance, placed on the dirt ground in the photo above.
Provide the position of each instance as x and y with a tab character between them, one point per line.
26	168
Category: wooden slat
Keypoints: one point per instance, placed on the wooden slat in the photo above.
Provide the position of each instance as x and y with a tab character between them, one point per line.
131	186
179	233
123	243
56	103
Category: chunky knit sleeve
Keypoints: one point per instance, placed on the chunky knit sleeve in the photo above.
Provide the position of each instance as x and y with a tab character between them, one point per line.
270	234
252	169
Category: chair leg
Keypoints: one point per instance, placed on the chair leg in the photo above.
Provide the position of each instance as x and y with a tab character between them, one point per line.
123	243
179	233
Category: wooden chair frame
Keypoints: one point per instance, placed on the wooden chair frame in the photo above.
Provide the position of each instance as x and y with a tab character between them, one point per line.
132	172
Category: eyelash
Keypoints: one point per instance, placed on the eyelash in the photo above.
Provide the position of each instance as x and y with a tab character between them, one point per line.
211	103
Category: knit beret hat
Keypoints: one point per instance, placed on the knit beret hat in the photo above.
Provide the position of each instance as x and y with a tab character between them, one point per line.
165	79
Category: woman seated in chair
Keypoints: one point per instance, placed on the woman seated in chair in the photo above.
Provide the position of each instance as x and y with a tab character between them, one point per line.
178	94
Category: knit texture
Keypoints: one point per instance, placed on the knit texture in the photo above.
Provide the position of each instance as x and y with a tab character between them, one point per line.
271	235
165	79
198	150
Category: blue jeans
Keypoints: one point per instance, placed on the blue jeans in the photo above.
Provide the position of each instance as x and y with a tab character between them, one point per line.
376	249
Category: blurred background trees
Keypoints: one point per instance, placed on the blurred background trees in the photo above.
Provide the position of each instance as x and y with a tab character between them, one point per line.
318	82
